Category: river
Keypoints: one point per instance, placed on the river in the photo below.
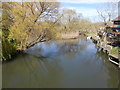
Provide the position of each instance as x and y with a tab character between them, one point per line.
61	64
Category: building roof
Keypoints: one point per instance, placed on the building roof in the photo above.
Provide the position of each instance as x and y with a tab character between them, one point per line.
116	19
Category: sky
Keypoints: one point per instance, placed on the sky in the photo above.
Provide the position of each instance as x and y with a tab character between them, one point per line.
88	11
88	8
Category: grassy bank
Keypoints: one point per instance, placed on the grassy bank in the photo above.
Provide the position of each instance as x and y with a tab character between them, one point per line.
115	50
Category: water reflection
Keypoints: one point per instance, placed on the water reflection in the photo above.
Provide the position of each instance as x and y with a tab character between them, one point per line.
112	71
67	64
56	48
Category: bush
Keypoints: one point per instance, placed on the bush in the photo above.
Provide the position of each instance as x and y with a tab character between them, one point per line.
8	48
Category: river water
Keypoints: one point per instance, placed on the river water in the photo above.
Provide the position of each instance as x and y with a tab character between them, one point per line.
61	64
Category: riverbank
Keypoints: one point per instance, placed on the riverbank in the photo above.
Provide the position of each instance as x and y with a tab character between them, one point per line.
114	55
67	35
10	52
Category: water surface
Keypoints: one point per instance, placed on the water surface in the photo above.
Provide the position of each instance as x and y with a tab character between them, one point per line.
61	64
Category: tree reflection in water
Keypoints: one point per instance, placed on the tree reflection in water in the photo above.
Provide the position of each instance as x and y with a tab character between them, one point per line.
61	63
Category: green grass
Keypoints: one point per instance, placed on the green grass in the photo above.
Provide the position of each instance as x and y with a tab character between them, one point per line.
115	50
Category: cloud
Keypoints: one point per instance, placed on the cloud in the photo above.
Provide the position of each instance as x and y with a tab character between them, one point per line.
85	11
89	13
65	1
87	1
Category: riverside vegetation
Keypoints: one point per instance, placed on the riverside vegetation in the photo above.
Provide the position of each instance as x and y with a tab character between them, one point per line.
25	24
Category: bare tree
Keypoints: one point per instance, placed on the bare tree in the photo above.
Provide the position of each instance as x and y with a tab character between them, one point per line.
108	12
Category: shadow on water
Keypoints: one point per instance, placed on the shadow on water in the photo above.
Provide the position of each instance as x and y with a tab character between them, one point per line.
61	64
111	69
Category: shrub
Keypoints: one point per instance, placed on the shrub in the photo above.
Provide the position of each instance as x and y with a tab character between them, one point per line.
8	48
